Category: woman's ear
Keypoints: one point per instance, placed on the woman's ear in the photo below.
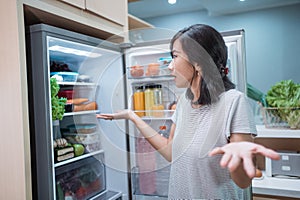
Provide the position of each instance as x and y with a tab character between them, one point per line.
198	69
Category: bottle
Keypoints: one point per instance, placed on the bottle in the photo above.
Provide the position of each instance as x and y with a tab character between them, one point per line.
158	101
146	161
163	131
162	168
139	101
149	99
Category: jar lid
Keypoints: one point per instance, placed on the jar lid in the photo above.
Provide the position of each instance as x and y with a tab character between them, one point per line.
139	87
162	127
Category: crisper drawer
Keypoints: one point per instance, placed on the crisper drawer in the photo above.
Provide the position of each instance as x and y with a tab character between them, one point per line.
81	179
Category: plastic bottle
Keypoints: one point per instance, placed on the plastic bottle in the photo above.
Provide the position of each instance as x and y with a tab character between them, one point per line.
139	101
158	106
163	168
149	99
146	163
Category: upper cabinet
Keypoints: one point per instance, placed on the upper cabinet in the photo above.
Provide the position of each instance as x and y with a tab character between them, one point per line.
77	3
115	10
105	19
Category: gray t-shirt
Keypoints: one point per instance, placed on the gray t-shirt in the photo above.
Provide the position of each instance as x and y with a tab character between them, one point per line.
195	175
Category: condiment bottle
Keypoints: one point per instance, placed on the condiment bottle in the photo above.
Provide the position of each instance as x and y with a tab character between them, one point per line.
139	101
149	99
158	106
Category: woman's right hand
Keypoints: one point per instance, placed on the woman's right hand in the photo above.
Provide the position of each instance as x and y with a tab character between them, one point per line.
124	114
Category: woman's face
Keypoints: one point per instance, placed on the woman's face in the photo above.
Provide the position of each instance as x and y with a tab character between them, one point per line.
180	67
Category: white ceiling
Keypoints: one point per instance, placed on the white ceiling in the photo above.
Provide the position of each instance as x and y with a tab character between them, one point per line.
155	8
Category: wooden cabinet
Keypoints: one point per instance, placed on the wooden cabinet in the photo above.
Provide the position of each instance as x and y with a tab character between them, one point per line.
77	3
115	10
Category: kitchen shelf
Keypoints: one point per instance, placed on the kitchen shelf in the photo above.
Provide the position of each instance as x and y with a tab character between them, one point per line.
81	113
275	186
263	132
78	158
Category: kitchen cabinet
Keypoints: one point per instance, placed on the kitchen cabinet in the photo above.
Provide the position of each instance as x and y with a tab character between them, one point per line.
79	16
115	10
77	3
277	139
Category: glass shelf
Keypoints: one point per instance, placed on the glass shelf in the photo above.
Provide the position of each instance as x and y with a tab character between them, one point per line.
78	158
81	113
77	84
155	114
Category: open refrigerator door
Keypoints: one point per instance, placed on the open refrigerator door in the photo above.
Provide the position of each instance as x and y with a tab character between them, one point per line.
235	42
152	94
75	161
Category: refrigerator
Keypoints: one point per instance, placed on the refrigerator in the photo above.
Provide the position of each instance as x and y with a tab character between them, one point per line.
97	76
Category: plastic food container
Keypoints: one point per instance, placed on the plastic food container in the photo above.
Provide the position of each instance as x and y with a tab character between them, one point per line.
82	128
82	138
67	76
66	93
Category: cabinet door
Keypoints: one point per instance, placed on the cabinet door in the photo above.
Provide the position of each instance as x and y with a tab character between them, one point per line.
77	3
114	10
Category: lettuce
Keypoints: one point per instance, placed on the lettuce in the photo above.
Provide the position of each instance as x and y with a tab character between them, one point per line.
58	104
285	95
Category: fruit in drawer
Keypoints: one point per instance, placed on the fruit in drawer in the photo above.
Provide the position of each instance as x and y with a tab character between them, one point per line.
136	71
78	149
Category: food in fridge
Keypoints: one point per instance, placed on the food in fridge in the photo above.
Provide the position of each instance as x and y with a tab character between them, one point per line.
77	101
137	71
152	69
67	76
78	149
85	106
66	94
64	157
82	128
81	180
81	138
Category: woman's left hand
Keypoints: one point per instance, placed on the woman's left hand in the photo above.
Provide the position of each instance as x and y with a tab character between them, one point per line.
236	152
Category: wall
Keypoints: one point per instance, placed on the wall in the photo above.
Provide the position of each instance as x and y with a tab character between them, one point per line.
272	40
13	173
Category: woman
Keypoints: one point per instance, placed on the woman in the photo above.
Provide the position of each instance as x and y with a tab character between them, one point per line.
210	141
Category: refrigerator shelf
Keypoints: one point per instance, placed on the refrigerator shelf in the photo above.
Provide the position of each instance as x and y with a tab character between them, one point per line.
78	158
81	113
150	79
108	195
77	84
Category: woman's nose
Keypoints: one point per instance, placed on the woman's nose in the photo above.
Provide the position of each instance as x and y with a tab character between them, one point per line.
171	65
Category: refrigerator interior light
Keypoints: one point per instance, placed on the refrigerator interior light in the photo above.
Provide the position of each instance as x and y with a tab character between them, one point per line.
171	1
74	51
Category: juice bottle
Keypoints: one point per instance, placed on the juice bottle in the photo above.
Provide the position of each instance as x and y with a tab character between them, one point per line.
149	99
158	106
139	101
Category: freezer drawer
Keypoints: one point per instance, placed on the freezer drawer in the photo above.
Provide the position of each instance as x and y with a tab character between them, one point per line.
80	180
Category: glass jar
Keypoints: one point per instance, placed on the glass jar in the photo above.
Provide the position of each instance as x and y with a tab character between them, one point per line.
139	101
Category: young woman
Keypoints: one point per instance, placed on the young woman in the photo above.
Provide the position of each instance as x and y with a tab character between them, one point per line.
210	143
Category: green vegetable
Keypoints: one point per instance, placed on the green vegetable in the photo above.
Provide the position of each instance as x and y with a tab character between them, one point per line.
285	95
58	104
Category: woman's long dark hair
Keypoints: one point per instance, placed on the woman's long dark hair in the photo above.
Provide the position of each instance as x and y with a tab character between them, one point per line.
205	47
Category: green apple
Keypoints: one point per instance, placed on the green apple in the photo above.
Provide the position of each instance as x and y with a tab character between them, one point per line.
78	149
